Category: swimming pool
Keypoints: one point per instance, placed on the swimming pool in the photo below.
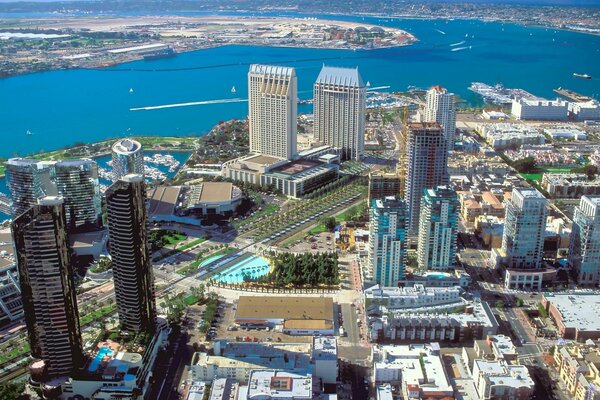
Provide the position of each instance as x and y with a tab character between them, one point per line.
104	351
254	267
210	259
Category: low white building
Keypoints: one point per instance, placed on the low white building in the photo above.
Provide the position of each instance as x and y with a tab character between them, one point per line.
500	380
412	297
418	369
585	111
540	109
277	385
566	132
503	135
324	358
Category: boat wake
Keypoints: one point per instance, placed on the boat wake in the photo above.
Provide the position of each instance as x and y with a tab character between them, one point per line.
459	48
192	103
457	44
442	32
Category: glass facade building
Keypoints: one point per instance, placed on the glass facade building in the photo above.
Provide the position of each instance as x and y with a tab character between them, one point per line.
387	240
584	250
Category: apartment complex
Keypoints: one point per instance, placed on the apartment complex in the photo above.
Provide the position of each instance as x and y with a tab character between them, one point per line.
48	289
132	269
127	158
584	250
540	109
426	167
439	107
383	184
387	240
438	229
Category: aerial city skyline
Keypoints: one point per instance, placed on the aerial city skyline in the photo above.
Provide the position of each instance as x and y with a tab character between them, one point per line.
369	216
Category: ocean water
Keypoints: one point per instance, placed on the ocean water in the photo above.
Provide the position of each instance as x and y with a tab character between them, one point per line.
62	107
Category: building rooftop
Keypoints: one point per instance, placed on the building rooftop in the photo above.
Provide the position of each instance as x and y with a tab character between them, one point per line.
223	389
340	76
196	391
271	70
296	167
579	310
261	159
163	199
281	307
421	366
211	192
126	146
279	385
384	392
324	348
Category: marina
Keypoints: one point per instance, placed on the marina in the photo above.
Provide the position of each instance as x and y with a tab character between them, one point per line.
498	94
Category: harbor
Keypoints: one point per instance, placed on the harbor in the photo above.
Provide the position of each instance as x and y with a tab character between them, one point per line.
572	95
498	94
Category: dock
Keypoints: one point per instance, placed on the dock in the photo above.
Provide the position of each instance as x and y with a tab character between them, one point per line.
572	95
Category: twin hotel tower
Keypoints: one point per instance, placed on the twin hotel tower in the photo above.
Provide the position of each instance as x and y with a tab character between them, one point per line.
54	199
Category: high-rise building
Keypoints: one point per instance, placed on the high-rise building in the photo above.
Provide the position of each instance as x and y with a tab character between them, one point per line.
77	182
584	251
273	110
426	166
28	180
524	227
438	229
339	110
439	108
47	286
383	184
127	158
132	269
387	240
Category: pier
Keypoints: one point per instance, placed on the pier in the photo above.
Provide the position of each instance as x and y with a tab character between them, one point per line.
572	95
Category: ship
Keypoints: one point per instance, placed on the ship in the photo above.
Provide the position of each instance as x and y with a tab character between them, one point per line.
165	52
233	90
582	76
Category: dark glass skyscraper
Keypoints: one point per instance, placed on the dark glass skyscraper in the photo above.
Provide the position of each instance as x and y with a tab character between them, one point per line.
47	286
132	269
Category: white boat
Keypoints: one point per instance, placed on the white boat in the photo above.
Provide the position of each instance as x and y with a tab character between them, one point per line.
233	89
28	133
130	90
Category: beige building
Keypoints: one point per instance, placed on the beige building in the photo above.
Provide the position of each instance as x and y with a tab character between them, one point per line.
578	370
272	110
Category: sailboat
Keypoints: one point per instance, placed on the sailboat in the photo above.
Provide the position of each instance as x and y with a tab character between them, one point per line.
28	133
233	89
130	90
368	83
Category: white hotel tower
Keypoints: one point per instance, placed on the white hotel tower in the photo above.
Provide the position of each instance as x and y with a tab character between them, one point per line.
339	108
272	110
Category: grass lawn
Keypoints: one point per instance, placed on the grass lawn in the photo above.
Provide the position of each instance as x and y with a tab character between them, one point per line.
2	168
317	229
174	239
532	177
191	244
88	318
557	169
15	353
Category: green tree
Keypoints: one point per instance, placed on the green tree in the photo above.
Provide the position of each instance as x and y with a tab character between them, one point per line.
329	223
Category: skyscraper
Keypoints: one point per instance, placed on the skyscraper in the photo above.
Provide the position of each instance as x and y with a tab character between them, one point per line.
132	269
438	228
439	108
77	182
272	110
426	166
584	251
339	109
28	180
127	158
524	227
383	184
47	286
387	240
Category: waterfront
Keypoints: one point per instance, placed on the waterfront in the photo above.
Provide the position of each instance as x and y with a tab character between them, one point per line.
62	107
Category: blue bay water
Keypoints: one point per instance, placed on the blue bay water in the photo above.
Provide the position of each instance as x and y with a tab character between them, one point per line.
63	107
